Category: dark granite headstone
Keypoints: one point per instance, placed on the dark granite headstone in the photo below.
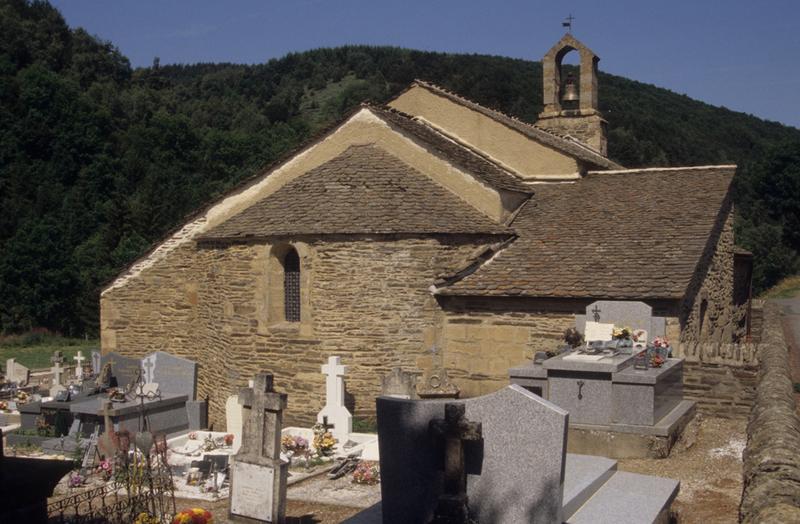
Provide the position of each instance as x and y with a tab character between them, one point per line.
123	369
515	474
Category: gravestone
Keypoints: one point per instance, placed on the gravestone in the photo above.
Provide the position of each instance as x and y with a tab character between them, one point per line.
96	366
335	411
56	371
233	420
258	475
636	315
79	358
435	381
399	384
455	430
174	375
514	474
17	373
123	369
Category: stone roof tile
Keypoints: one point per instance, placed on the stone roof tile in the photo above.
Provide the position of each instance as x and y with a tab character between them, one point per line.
631	234
364	190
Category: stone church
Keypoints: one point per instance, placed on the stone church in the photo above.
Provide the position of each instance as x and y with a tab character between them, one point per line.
430	222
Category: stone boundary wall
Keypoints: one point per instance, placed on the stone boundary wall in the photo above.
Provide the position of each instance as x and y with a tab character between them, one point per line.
722	378
720	390
771	471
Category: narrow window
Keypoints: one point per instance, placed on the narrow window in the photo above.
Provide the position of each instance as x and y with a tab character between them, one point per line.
703	320
291	286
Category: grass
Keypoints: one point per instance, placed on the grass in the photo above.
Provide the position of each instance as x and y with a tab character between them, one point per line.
787	288
34	349
365	425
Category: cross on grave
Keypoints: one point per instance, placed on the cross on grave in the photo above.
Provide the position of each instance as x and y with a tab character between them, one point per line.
325	426
596	315
148	364
334	407
56	370
79	358
263	419
455	429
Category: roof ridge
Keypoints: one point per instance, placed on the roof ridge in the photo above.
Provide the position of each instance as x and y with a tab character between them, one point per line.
661	169
497	176
428	125
598	158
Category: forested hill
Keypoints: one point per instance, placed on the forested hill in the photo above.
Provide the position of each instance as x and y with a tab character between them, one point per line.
98	160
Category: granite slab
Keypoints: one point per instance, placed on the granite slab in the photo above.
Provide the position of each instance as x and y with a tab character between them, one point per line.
628	498
94	405
607	365
664	427
629	375
583	476
529	370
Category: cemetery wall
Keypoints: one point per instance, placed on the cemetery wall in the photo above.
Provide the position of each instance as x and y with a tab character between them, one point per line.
720	371
369	303
771	471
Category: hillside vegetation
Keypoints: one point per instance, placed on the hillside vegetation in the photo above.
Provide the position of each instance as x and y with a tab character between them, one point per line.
98	160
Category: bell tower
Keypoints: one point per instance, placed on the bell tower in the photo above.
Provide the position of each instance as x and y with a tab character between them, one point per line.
570	108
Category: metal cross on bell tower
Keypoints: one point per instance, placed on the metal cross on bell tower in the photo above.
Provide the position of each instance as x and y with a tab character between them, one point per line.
568	23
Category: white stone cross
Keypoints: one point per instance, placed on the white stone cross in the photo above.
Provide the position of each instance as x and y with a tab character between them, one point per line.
79	358
56	370
335	410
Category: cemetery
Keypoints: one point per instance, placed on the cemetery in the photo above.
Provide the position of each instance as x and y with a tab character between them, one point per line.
430	314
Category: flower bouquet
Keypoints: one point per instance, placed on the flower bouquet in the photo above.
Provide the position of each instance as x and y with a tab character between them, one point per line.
76	480
622	333
323	441
367	472
193	516
228	439
104	469
146	518
294	444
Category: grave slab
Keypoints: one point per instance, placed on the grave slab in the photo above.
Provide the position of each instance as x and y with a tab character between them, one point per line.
628	498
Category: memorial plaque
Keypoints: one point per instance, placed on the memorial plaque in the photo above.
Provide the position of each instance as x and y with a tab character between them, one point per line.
253	494
596	331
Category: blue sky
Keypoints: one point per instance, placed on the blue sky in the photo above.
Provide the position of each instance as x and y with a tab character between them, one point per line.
736	53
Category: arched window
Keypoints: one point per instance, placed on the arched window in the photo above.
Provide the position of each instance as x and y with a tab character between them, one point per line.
291	286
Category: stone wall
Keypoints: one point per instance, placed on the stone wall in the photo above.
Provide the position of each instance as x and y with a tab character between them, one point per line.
708	315
771	460
483	338
368	298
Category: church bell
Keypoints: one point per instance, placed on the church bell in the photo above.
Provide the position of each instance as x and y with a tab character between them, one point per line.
570	89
